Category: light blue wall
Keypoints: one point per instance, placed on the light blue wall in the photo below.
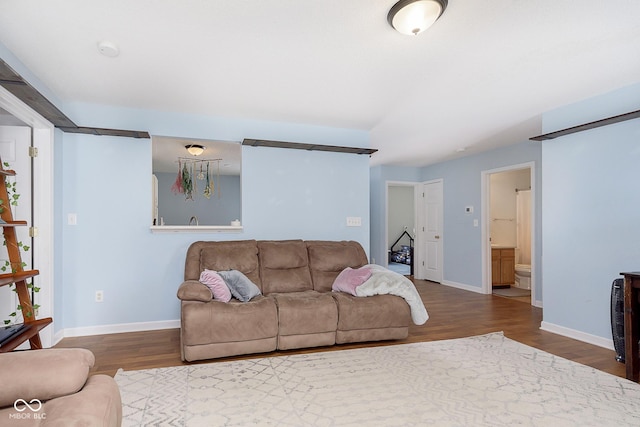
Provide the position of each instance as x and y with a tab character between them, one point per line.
591	204
462	186
286	194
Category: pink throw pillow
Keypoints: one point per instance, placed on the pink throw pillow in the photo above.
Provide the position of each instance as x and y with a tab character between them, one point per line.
349	279
214	282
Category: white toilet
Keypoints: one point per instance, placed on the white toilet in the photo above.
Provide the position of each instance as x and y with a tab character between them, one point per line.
523	276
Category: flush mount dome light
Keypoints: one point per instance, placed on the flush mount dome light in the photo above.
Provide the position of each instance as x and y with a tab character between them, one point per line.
194	149
411	17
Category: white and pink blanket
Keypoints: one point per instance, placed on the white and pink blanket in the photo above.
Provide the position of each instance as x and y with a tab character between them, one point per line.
373	279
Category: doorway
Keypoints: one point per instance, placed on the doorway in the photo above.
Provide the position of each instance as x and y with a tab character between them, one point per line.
401	227
508	207
14	112
15	140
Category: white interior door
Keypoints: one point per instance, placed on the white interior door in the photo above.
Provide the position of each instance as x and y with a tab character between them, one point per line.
430	230
14	154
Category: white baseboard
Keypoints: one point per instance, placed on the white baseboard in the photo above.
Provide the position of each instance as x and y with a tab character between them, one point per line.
462	286
117	328
57	337
577	335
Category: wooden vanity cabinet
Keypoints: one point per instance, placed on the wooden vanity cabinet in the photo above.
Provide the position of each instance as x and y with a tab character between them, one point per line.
503	267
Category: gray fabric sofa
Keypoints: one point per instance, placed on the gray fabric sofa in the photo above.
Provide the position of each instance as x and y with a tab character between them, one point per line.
297	308
57	386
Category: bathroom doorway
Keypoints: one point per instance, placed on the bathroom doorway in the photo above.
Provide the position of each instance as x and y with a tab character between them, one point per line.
508	212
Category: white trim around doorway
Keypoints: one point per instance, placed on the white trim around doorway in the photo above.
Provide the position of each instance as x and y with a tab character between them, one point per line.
486	217
43	137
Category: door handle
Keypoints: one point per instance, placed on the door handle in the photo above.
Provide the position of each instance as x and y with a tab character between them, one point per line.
436	236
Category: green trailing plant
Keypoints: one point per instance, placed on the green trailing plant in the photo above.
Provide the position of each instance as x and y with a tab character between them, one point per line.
14	196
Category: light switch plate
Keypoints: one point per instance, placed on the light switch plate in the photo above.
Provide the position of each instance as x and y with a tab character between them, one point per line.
354	221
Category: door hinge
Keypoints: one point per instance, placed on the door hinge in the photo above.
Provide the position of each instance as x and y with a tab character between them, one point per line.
33	231
33	151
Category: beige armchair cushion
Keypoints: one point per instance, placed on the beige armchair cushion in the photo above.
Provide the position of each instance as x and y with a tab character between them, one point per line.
99	404
43	374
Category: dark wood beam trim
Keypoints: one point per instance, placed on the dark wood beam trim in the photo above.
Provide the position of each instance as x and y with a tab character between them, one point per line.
22	90
311	147
30	96
106	132
587	126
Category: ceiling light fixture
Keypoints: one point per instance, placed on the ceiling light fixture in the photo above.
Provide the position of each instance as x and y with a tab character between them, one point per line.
194	149
411	17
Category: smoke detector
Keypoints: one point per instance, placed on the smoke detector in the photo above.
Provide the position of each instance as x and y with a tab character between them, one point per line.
108	49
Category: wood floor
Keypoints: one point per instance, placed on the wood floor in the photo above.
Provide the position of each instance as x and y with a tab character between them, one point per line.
454	313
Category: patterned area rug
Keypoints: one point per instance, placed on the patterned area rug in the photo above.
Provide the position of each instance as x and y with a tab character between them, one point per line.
486	380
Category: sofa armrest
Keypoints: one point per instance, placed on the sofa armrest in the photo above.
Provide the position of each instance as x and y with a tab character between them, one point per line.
43	374
98	404
192	290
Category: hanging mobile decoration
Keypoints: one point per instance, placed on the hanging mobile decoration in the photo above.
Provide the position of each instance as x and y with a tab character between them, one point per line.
218	178
194	190
187	183
188	176
207	186
177	188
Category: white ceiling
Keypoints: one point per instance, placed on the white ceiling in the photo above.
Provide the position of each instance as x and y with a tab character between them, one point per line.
479	78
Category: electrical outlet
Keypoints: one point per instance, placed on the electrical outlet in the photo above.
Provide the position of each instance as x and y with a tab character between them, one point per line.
99	296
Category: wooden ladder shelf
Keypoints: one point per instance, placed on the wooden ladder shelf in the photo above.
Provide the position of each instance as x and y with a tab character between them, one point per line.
19	276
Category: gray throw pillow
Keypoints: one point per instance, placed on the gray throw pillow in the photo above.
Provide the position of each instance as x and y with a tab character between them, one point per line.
240	286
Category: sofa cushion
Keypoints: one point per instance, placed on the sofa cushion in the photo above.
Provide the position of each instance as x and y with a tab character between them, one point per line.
327	259
218	322
284	266
306	319
306	312
239	255
240	286
216	285
374	312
